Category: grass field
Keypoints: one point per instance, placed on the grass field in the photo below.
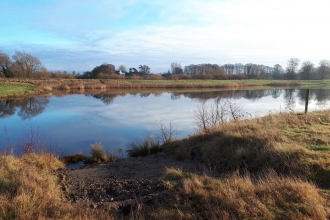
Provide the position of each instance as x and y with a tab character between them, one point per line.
255	82
14	88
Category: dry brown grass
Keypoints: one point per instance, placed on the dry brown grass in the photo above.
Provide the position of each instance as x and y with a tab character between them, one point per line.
272	142
111	83
29	189
239	197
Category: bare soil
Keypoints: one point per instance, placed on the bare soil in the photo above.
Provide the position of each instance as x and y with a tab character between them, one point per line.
122	185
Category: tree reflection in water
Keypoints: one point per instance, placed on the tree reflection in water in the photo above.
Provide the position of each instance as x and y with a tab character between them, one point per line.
289	97
27	107
105	98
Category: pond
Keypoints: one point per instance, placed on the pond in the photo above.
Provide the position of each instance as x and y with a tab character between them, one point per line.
69	124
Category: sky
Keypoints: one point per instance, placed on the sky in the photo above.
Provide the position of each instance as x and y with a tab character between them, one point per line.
78	35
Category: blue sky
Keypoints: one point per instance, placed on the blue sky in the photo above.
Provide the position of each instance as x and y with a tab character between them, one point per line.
81	34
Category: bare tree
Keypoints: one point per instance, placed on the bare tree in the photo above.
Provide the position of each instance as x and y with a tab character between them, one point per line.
234	108
26	65
167	134
5	65
201	117
239	68
176	68
307	70
209	116
277	71
292	68
324	69
217	113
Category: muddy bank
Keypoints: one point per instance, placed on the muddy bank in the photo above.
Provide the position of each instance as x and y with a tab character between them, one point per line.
121	185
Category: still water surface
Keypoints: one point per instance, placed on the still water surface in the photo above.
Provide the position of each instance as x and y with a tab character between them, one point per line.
73	122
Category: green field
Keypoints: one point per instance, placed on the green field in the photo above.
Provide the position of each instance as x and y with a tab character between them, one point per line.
14	88
256	82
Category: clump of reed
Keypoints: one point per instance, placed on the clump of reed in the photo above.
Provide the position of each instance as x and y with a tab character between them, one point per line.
97	152
144	147
112	158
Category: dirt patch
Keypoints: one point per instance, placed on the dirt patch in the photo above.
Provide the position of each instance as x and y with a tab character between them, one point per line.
121	185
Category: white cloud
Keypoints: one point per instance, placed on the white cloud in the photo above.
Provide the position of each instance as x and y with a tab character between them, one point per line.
194	31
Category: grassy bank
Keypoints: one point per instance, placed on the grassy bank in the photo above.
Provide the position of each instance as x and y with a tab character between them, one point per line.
81	85
14	88
290	144
29	189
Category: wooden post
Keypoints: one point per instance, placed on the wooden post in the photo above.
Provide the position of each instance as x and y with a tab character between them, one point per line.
306	102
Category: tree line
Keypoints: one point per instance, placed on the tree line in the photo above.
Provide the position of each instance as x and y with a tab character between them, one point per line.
24	65
307	70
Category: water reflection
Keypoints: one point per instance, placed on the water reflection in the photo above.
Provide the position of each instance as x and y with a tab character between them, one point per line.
290	95
105	98
27	108
117	118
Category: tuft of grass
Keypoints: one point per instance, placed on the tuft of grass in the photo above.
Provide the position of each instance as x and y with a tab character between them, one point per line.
112	158
98	154
143	147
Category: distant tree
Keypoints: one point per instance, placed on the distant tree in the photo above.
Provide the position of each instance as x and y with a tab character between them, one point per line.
132	71
248	68
26	65
204	69
307	70
324	69
105	68
5	64
122	68
238	68
292	68
176	68
144	70
278	71
87	74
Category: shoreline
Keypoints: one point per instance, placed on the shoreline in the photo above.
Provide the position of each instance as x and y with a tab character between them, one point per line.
37	87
